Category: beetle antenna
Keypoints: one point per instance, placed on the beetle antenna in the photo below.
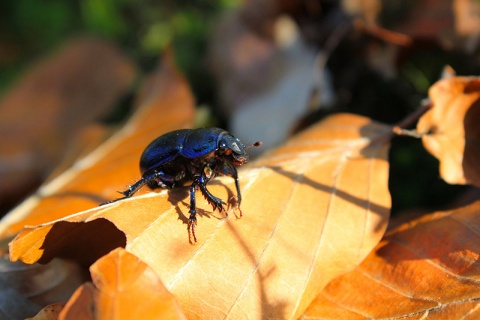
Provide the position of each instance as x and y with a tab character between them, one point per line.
256	144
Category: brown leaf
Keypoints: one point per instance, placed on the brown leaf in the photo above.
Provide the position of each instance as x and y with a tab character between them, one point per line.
40	115
86	140
166	105
425	19
428	268
81	305
125	288
50	312
363	10
450	129
467	17
312	210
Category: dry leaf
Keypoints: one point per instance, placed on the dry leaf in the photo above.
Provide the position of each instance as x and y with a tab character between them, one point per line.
451	130
81	305
364	10
428	268
50	312
125	288
166	104
40	115
312	210
86	140
426	19
467	17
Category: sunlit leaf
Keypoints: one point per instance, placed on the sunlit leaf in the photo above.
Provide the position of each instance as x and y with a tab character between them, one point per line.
81	305
428	268
125	288
451	130
312	210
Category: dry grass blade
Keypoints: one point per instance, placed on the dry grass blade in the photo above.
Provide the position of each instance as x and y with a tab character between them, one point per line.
426	268
312	210
450	128
165	104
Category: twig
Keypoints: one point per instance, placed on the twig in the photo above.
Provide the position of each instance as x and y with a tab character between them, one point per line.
400	128
388	36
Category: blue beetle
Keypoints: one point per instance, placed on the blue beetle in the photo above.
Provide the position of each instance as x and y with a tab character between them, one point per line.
195	155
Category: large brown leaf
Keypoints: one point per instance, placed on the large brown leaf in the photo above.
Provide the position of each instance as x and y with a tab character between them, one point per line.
43	111
426	268
451	130
312	210
165	104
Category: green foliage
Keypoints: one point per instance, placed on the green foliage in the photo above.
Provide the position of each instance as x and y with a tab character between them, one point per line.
144	28
104	17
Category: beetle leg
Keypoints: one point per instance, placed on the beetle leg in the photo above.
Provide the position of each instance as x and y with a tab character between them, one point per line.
192	220
227	169
155	176
130	191
216	203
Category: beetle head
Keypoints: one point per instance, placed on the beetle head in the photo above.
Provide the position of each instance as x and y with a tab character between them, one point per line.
233	150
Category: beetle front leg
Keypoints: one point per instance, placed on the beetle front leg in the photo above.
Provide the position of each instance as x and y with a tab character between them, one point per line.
227	169
215	202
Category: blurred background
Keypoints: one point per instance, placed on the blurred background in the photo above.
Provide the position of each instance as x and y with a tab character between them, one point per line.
263	69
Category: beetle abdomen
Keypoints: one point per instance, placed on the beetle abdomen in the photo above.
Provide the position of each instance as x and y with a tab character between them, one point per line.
162	150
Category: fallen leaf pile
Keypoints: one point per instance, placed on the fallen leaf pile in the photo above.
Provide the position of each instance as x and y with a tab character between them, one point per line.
307	206
309	240
309	243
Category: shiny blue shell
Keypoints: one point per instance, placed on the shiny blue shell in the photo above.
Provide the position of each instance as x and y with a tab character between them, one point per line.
188	143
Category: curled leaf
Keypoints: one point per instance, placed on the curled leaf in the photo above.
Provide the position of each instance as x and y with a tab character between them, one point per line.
450	129
312	210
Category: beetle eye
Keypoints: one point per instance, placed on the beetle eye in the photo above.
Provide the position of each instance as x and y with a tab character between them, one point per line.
236	148
228	152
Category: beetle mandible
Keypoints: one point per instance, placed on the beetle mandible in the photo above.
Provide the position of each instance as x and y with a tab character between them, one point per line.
195	155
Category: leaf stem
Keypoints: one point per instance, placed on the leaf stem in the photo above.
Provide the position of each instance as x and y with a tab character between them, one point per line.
400	128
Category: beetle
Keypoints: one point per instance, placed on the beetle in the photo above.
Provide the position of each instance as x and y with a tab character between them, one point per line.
195	155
